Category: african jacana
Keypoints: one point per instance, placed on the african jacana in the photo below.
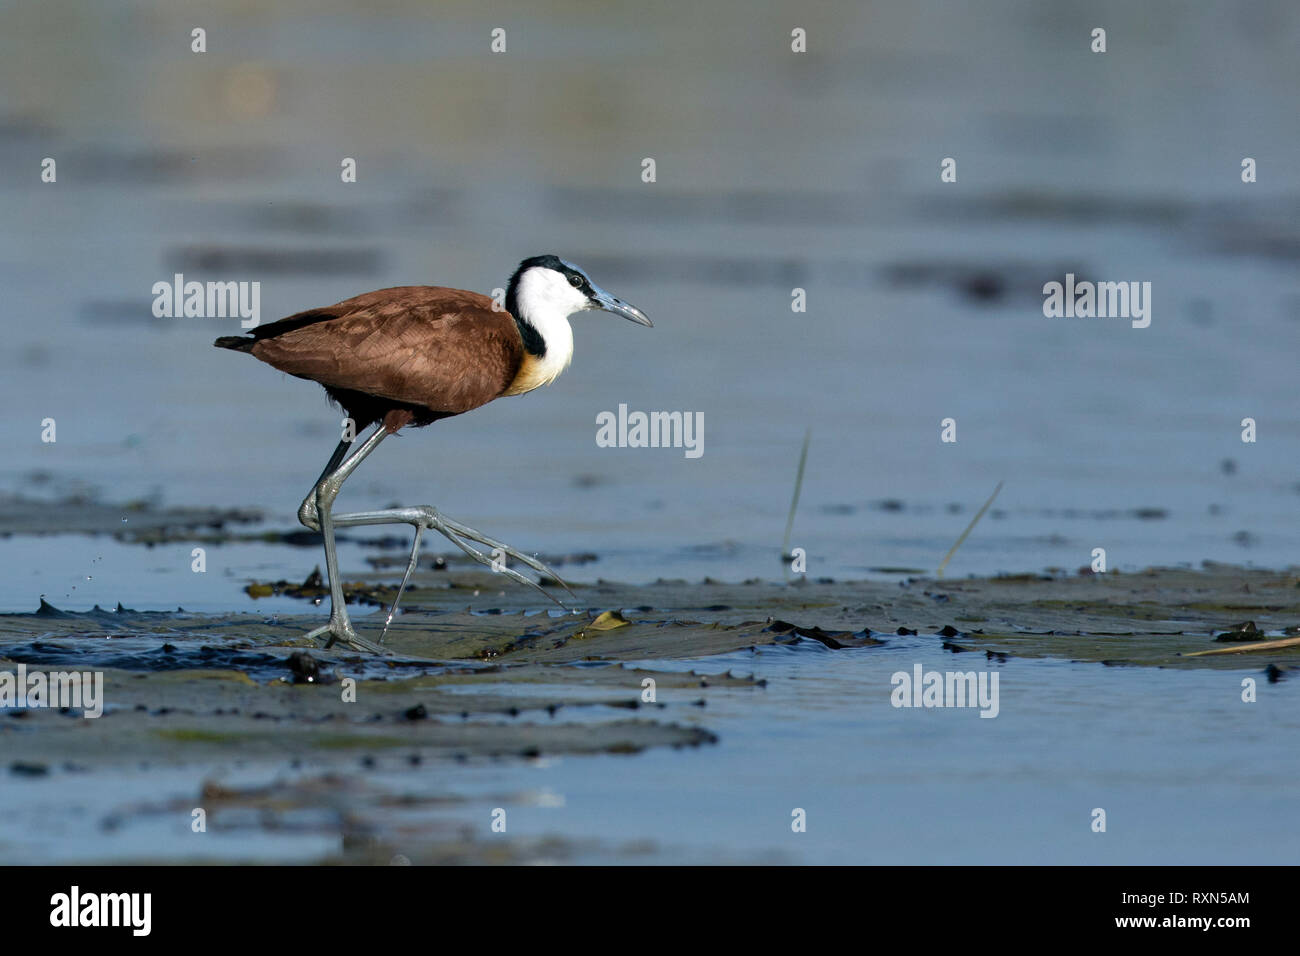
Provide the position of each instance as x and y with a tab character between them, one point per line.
410	356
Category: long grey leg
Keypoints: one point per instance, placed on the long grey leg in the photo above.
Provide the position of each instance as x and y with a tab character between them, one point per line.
406	578
327	489
317	513
454	531
307	514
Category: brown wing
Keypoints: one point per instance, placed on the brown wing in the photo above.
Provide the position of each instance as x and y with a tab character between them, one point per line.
444	349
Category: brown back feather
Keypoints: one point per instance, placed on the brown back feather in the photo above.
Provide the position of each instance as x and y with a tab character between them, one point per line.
427	346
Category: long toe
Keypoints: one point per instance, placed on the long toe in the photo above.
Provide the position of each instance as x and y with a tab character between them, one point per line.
538	566
352	639
332	633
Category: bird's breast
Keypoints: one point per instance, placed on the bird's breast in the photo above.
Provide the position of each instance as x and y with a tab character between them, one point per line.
534	372
537	370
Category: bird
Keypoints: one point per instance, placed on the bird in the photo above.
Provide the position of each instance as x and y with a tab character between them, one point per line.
409	356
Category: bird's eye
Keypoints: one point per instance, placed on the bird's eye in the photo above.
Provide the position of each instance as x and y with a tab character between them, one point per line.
575	281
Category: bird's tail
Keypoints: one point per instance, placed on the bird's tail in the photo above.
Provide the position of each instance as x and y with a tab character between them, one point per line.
240	343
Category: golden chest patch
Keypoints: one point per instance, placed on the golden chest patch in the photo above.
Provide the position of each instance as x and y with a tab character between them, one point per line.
535	372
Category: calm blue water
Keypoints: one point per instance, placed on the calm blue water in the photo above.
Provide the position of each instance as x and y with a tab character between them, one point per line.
893	786
773	172
1185	771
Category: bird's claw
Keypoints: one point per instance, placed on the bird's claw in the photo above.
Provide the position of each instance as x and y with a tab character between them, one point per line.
454	531
342	630
424	518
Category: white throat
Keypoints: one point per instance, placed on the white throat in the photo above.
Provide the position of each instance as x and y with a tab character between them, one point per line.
545	300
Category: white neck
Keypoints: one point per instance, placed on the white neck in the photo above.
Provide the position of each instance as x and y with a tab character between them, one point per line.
545	300
554	328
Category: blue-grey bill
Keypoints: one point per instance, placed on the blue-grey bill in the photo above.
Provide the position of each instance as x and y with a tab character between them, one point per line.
607	303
